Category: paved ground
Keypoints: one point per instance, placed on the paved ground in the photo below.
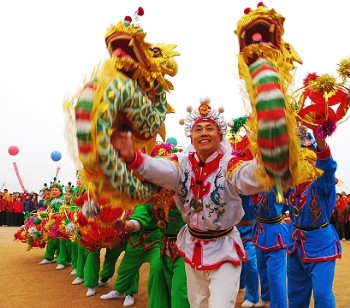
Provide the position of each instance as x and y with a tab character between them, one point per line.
24	283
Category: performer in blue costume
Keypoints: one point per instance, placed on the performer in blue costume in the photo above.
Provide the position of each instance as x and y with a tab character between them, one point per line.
249	275
314	244
270	236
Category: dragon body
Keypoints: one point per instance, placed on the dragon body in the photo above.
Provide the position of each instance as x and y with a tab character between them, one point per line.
265	64
126	93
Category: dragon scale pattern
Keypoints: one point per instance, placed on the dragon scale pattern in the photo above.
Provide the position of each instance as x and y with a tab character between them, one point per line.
121	96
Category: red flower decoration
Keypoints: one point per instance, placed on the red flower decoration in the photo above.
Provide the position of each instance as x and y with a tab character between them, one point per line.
310	77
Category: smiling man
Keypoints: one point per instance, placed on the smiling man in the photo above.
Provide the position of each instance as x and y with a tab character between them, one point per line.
206	139
207	180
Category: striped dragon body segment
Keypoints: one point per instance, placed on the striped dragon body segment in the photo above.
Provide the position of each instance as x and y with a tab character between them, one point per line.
273	138
120	104
83	119
266	62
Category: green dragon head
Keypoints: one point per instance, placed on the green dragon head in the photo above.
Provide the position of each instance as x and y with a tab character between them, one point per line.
138	59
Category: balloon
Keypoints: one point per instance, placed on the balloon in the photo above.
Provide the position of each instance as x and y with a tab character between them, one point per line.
56	156
172	140
13	150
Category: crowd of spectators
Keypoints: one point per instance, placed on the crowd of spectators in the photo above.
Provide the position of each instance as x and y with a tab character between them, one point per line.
341	216
13	207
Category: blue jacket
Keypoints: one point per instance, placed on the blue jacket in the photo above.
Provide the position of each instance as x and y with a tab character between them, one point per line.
311	205
269	236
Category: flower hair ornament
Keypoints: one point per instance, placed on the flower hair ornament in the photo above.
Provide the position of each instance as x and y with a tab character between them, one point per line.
204	113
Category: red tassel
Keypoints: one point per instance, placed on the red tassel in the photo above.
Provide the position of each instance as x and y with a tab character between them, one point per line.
197	254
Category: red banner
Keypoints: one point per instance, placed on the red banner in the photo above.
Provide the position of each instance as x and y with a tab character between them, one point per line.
57	171
18	176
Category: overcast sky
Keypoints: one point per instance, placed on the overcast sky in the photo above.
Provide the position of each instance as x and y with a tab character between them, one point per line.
48	48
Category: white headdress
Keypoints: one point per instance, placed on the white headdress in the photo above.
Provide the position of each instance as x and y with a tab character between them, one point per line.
204	113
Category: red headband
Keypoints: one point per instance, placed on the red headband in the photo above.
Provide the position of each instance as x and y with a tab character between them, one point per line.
200	120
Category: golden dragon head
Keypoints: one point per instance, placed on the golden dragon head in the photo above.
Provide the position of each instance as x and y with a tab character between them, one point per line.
260	33
139	59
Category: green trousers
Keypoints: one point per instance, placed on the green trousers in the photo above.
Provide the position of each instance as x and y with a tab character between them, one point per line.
110	261
129	267
175	277
64	256
92	269
88	267
81	260
108	269
74	254
52	249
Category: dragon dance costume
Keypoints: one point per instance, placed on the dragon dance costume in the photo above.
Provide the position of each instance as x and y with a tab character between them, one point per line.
78	190
144	246
57	246
173	262
270	235
322	103
313	244
125	93
207	196
249	275
208	239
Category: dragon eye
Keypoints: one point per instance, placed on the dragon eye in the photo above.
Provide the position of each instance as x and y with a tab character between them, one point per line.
157	52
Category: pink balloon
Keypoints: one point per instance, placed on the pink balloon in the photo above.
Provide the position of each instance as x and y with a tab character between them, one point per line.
13	150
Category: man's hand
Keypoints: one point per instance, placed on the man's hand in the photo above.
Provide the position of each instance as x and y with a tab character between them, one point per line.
129	226
123	144
321	142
